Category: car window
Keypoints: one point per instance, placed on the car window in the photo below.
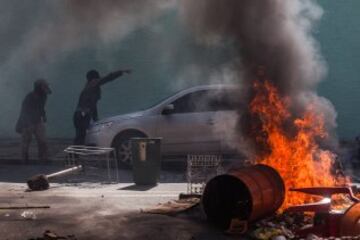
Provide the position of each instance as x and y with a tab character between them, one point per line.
189	103
223	100
206	100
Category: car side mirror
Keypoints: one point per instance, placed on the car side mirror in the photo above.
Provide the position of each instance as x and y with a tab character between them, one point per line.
168	109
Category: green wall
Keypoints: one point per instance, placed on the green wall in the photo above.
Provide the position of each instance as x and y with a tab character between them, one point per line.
160	55
339	36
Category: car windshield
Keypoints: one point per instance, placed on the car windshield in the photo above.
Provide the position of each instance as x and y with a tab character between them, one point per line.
204	100
163	99
207	100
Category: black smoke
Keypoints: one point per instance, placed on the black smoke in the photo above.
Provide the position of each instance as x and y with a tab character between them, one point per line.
274	34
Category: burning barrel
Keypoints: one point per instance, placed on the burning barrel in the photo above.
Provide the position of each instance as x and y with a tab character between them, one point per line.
246	194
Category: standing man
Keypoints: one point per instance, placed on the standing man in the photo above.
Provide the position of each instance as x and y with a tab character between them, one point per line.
32	120
87	106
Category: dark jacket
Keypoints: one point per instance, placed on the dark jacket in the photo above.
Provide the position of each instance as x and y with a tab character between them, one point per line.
91	94
32	110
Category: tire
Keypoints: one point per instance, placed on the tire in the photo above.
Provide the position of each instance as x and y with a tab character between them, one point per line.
122	147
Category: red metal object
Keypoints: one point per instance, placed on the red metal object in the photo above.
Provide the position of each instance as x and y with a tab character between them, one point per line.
245	194
328	191
350	223
327	222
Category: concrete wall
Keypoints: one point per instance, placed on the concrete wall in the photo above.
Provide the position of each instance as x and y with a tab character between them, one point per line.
161	55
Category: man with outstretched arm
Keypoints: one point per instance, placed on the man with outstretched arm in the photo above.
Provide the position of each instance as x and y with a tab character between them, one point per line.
86	109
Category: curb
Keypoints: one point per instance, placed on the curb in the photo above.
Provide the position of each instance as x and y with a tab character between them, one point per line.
31	162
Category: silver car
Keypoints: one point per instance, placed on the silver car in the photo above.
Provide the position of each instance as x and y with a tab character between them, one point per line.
189	122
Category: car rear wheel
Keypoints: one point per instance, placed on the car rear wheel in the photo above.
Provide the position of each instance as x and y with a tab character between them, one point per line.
122	145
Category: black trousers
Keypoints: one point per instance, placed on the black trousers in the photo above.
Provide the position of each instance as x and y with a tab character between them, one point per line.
39	131
81	123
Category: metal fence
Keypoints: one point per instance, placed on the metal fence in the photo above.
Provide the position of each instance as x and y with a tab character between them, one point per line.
200	169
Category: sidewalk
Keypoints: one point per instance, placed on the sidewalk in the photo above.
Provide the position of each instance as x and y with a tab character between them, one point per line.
97	211
10	151
94	210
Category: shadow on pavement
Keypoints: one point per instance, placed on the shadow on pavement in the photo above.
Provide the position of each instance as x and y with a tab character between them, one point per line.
135	187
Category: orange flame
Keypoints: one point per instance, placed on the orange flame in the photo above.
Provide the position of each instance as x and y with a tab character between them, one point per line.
298	158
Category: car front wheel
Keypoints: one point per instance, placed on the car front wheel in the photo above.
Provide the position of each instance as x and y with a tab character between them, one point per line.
122	145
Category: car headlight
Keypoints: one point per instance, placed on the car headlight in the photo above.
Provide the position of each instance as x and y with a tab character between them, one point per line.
100	126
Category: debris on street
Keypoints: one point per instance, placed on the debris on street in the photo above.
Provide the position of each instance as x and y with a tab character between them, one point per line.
41	182
28	215
284	224
49	235
267	233
173	207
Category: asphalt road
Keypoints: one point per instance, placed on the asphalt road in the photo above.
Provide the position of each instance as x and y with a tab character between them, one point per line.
93	210
87	206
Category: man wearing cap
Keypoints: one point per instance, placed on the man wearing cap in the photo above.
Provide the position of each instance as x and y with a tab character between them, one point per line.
86	109
32	120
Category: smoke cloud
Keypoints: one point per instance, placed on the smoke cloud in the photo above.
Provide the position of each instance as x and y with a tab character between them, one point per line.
274	34
67	25
37	34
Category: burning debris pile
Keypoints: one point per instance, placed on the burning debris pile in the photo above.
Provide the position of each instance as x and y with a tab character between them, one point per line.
284	124
299	159
247	201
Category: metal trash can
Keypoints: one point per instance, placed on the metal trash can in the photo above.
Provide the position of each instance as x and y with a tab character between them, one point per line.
146	160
